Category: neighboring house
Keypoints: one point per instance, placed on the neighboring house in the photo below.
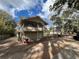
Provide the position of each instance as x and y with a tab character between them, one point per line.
33	27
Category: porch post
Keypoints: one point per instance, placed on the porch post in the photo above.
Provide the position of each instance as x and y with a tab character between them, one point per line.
37	32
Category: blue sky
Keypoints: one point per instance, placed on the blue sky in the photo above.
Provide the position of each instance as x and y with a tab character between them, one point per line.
28	8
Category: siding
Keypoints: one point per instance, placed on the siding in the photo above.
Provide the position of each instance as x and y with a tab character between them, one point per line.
34	36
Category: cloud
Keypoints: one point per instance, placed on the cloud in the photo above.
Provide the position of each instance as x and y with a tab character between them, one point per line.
19	4
7	9
11	6
45	11
46	14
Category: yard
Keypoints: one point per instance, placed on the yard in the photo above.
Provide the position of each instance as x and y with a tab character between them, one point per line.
47	48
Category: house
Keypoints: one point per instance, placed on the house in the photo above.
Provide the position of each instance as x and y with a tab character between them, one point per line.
34	27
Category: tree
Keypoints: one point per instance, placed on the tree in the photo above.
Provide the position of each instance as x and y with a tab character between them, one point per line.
57	22
58	5
6	23
70	21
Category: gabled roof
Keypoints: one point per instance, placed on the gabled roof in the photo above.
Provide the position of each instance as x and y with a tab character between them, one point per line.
36	19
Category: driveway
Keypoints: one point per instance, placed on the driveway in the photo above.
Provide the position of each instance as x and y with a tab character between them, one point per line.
46	48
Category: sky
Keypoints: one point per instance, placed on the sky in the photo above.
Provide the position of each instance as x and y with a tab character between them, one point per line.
28	8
